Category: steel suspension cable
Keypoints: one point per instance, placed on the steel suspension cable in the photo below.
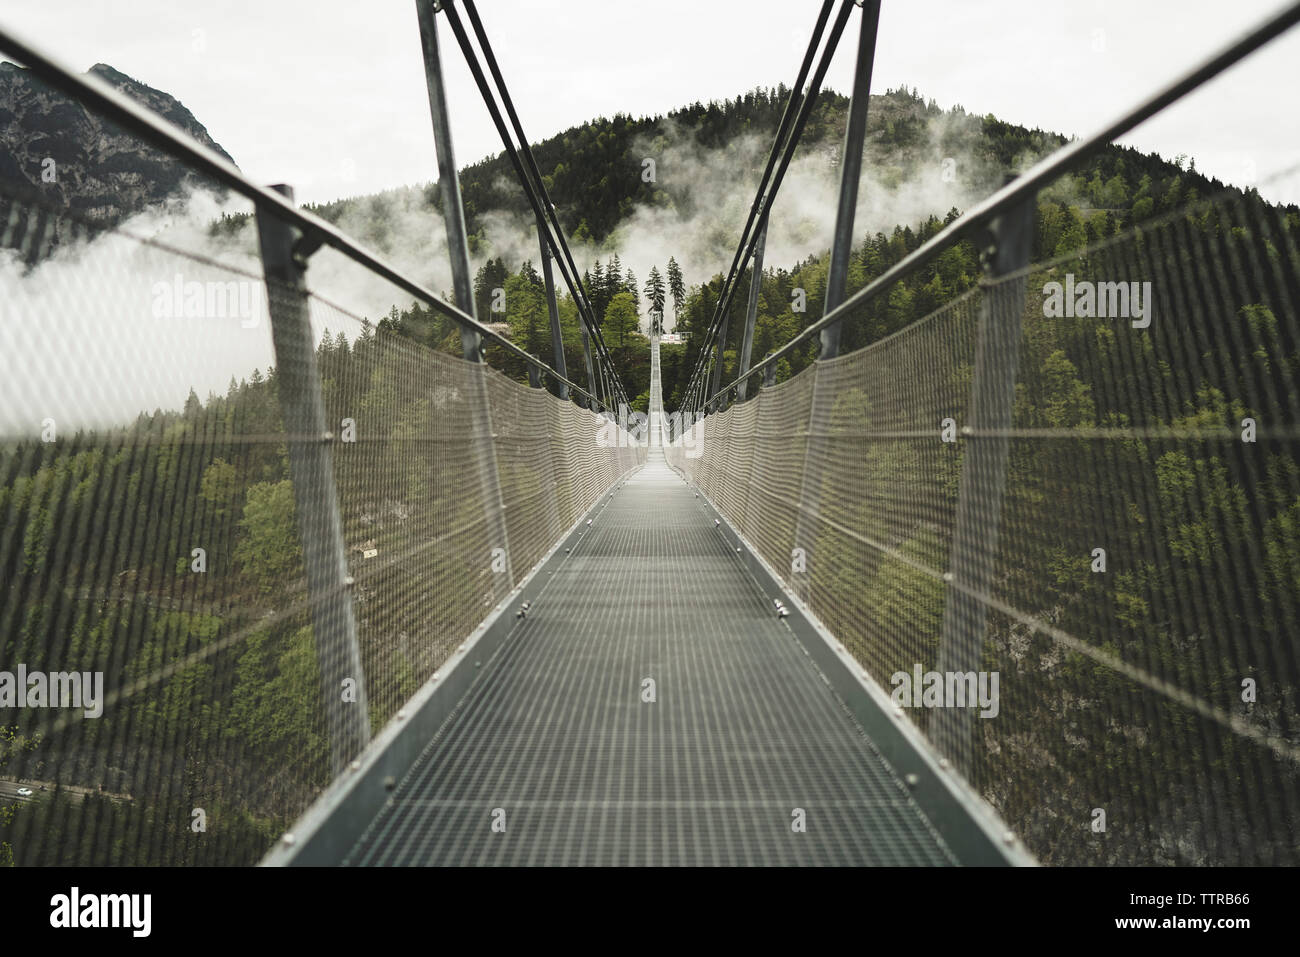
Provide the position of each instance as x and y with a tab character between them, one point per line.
525	149
476	69
782	145
807	103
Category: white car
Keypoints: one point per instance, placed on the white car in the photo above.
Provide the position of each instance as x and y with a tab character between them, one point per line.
25	792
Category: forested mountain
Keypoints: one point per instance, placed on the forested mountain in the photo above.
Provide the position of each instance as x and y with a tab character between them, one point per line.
593	172
594	175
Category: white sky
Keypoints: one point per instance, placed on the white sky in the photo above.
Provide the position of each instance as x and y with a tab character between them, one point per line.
330	96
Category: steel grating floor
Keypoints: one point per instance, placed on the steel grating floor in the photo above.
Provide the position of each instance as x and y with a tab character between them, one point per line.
554	743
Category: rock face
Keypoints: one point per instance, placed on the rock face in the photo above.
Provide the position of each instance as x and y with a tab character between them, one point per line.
68	159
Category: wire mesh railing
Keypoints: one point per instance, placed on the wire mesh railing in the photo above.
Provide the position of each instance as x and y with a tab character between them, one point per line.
1141	588
173	689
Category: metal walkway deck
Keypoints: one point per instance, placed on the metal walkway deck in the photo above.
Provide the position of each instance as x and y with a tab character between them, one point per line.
742	731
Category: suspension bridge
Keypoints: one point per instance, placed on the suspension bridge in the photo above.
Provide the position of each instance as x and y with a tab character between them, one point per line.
979	592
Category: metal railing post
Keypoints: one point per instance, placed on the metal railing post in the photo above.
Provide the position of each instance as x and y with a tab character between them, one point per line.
606	392
984	466
311	471
751	312
557	341
855	133
453	212
592	387
453	208
715	380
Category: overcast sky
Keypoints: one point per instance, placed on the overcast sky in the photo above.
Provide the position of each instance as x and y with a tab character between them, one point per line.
330	97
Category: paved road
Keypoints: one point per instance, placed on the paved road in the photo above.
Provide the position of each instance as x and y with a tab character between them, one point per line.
9	791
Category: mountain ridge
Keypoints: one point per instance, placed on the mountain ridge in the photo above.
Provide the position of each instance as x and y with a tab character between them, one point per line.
58	153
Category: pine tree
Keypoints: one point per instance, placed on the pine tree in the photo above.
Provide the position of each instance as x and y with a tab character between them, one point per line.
599	300
621	319
492	275
676	287
629	286
654	293
527	314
